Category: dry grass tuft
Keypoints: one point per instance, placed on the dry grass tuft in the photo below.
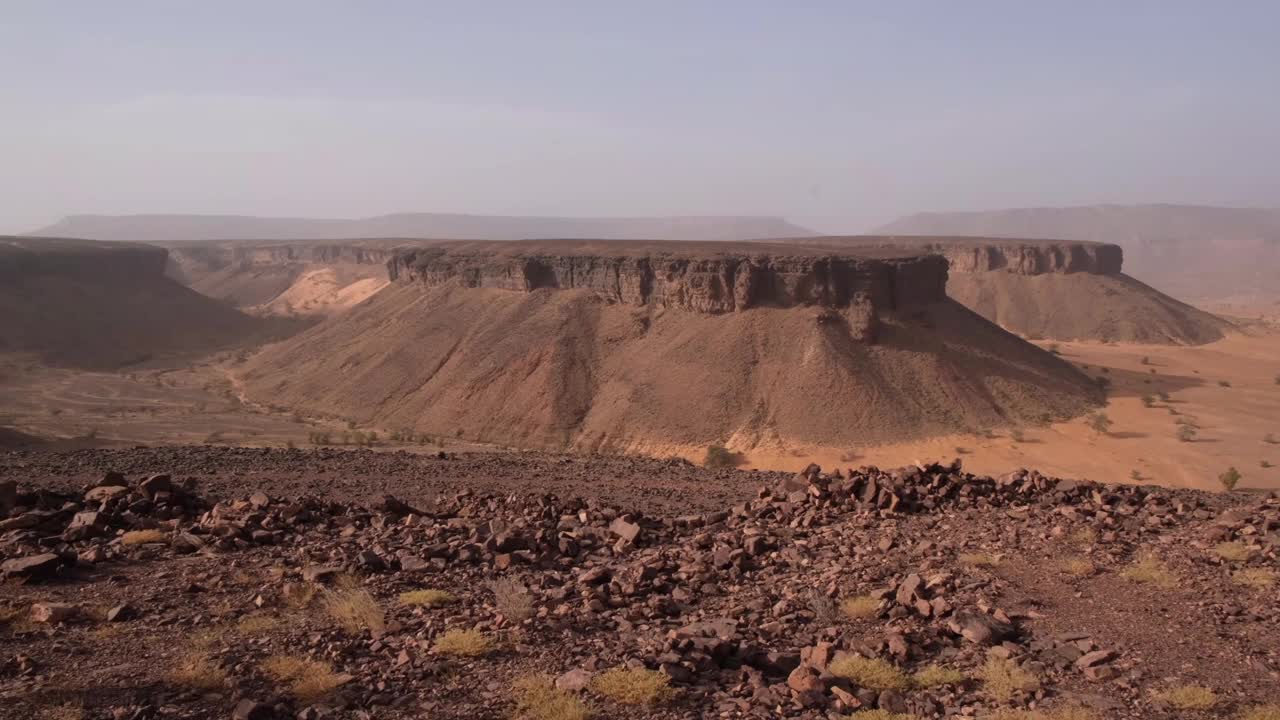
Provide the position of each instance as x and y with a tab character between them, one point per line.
206	638
142	537
872	673
1262	712
1078	567
465	643
978	560
633	686
1083	537
427	598
935	676
1003	679
860	607
355	611
1257	578
107	631
1148	569
257	624
513	600
198	672
1232	551
537	698
823	607
308	680
1188	697
1070	712
346	581
298	596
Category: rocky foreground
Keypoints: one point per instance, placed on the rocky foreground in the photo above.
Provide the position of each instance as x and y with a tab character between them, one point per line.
924	592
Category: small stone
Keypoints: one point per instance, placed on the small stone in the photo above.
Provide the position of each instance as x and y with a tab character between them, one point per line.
979	628
121	613
625	529
105	493
804	679
155	484
1097	657
252	710
32	566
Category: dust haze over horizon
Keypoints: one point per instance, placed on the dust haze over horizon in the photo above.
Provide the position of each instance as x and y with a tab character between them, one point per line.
836	116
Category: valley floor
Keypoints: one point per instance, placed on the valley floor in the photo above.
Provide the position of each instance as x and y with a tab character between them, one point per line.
1228	392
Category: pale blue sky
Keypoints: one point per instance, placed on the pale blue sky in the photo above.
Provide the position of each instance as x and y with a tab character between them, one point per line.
839	115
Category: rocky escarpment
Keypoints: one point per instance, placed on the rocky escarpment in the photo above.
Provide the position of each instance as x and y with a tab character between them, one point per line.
1053	290
977	254
218	256
289	278
719	283
1031	258
29	257
1189	251
104	305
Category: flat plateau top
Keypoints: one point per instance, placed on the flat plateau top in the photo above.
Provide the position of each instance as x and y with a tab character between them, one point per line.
862	246
666	248
13	245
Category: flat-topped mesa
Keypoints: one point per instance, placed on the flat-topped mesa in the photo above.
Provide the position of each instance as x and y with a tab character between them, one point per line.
981	254
711	282
1034	258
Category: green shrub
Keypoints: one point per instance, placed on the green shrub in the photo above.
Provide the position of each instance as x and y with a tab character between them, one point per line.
1230	478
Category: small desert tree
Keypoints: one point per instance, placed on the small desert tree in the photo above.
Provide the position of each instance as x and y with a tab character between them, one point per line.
1100	423
718	456
1230	479
1186	433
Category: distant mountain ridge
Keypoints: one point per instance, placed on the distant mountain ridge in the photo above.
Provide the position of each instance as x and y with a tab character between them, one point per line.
444	226
1191	251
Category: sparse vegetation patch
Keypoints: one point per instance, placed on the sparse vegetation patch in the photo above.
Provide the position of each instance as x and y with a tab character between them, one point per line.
463	643
1003	679
1188	697
872	673
633	686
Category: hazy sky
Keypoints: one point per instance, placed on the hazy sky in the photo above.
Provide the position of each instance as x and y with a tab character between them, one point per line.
838	114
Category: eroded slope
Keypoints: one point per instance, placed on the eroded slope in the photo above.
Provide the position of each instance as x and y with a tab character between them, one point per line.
662	348
104	305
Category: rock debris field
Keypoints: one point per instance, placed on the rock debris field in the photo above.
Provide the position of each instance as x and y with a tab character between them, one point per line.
264	584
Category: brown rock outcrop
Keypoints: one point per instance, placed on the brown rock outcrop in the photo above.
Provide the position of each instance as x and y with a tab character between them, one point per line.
1052	289
711	283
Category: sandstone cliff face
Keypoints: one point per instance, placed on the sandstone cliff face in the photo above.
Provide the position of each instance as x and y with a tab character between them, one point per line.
720	283
979	254
1034	258
221	256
